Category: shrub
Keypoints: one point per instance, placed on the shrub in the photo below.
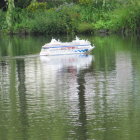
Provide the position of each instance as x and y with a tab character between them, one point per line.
37	6
69	13
85	2
125	18
21	20
69	17
48	22
85	28
52	21
100	25
60	20
3	24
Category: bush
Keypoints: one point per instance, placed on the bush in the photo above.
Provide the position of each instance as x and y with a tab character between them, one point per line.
85	28
125	18
21	20
85	2
52	21
37	6
48	22
69	13
3	24
60	20
69	18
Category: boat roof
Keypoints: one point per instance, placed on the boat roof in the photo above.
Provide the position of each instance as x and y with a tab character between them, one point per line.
76	42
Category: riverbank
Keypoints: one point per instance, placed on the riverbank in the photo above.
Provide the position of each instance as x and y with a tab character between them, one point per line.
71	18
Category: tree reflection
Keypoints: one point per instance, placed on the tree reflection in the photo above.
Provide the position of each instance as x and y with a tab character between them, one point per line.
22	98
3	91
82	129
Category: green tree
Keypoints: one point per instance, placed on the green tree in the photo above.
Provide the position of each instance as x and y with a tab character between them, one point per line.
9	15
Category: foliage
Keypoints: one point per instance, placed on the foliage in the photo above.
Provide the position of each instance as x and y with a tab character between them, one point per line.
3	24
85	2
87	14
126	18
85	28
37	6
54	21
48	22
22	3
100	25
122	19
82	16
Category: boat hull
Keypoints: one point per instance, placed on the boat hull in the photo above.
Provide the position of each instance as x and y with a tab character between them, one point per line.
66	50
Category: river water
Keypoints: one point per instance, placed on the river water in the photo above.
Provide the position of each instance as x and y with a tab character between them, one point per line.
94	97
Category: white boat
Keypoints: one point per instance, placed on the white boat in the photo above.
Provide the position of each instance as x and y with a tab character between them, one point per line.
77	46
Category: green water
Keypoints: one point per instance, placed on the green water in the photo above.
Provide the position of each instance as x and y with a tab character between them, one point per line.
95	97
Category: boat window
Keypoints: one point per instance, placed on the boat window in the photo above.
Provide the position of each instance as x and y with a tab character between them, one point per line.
45	48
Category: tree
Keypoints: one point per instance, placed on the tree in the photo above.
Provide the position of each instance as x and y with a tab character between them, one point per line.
9	15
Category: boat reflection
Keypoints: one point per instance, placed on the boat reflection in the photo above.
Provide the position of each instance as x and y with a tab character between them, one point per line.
69	62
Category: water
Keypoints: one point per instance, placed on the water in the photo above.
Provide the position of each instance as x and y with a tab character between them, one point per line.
95	97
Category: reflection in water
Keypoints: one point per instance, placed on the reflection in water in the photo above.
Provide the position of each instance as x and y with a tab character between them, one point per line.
61	61
73	97
82	107
3	97
22	98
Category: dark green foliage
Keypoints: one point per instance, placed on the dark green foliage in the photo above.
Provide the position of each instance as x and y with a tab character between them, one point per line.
83	16
123	19
54	21
22	3
37	6
85	28
48	22
3	24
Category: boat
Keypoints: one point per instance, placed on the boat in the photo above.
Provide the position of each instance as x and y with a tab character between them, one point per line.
56	47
